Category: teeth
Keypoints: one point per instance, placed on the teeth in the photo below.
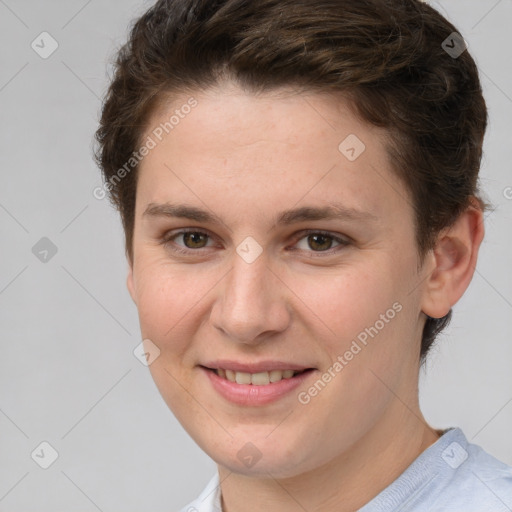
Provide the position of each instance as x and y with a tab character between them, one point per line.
256	379
275	375
260	379
242	378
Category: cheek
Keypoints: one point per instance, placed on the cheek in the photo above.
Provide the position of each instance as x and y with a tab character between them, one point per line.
365	323
167	300
165	297
347	301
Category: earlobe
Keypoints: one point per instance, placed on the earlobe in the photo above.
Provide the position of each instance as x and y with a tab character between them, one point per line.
130	284
454	261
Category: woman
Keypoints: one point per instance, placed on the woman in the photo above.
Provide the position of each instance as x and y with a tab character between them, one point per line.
298	185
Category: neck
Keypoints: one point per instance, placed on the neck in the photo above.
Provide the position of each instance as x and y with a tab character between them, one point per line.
345	483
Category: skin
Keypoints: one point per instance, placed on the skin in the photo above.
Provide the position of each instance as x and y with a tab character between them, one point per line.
246	158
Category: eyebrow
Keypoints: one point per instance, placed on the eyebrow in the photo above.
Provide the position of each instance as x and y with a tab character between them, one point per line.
305	213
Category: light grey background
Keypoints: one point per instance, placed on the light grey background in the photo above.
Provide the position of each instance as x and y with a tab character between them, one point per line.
68	375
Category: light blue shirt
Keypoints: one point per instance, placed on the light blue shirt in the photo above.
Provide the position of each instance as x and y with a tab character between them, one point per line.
452	475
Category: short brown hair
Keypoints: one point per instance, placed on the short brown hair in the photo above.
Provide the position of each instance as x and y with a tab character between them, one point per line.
385	56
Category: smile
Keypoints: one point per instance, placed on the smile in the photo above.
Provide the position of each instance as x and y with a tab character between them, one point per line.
258	388
256	379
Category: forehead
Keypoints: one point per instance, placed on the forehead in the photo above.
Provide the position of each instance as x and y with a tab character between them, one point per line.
234	149
238	118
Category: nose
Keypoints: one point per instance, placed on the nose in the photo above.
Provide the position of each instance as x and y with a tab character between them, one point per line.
252	304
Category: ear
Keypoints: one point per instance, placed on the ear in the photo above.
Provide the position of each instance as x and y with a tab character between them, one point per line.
453	261
129	282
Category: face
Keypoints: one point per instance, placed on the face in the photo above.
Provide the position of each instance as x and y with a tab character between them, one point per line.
303	259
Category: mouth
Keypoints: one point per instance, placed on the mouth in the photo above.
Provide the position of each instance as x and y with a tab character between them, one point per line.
258	387
261	378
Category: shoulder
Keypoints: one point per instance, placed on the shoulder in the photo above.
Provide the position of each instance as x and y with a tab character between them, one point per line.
452	475
473	479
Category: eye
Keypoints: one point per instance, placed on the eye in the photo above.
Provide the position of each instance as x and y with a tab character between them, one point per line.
193	239
321	241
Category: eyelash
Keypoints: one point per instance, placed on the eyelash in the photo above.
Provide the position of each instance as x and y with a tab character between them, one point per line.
168	238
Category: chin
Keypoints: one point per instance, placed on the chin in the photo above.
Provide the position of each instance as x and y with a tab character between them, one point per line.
277	466
258	456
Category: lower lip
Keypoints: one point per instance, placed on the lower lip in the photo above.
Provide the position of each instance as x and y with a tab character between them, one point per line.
251	395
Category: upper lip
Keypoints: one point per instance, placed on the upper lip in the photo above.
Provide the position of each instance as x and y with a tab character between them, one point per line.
260	366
